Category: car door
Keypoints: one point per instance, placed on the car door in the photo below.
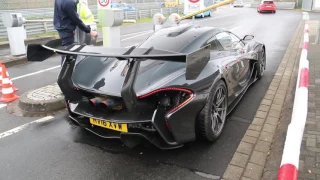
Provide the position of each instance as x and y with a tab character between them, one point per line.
219	58
242	62
236	67
223	43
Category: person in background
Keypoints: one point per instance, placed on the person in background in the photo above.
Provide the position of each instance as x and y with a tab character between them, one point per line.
87	18
84	12
65	21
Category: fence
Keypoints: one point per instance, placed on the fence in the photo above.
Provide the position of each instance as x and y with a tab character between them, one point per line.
291	151
44	27
35	4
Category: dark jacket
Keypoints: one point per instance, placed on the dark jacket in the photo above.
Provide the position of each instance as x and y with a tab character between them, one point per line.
66	18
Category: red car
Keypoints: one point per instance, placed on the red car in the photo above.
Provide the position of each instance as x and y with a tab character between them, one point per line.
267	6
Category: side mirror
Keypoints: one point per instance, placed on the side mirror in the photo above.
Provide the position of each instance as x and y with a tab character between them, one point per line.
248	37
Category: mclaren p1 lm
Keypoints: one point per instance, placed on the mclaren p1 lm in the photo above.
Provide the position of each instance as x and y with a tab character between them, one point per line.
177	85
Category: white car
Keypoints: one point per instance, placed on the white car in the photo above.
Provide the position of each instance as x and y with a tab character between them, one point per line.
238	3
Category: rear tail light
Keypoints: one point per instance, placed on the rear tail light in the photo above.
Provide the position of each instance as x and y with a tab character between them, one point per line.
168	126
170	98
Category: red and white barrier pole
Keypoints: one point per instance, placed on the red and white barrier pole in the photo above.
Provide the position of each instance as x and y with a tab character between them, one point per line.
291	152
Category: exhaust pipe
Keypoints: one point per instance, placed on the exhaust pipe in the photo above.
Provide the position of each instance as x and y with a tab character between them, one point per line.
105	103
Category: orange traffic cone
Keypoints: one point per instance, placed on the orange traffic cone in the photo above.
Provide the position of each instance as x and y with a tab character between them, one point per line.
7	90
12	85
4	71
1	74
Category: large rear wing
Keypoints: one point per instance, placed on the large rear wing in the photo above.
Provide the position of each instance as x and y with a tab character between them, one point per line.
195	61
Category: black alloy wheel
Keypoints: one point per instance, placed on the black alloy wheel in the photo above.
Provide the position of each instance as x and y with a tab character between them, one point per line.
213	116
260	65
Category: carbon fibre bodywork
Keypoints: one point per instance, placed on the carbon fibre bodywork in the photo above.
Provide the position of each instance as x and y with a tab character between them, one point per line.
142	83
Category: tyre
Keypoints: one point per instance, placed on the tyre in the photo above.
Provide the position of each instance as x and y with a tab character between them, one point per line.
274	11
261	64
211	119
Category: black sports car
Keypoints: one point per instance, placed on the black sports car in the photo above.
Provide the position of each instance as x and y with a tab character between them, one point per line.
177	85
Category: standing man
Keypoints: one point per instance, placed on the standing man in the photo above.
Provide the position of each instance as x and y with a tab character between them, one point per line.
87	18
66	20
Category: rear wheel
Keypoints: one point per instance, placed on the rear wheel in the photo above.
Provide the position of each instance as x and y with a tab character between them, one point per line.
213	116
260	65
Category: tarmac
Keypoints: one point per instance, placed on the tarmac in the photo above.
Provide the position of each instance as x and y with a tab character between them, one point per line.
259	153
261	146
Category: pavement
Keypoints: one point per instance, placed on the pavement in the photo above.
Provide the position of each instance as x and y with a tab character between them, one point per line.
52	149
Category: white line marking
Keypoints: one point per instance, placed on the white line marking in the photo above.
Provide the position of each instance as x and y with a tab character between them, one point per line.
41	71
20	128
219	17
136	36
2	105
137	33
131	45
305	16
38	72
232	29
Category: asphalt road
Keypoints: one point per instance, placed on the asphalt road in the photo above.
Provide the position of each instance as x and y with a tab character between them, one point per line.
56	150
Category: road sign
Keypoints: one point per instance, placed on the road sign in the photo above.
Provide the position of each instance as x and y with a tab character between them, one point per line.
103	3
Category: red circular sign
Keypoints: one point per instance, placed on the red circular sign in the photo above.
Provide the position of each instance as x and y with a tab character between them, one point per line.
103	3
194	1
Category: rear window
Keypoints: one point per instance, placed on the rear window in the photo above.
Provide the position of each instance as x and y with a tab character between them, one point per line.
267	2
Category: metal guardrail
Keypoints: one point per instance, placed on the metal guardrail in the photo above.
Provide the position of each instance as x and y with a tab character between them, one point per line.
36	4
44	27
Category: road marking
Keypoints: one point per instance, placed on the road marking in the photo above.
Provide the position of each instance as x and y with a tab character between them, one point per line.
232	29
131	45
137	33
305	16
136	36
219	17
38	72
2	105
20	128
41	71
